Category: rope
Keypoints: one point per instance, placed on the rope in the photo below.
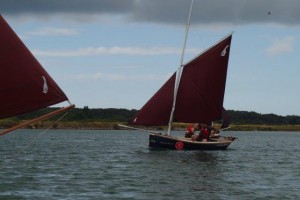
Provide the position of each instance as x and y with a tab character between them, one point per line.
30	144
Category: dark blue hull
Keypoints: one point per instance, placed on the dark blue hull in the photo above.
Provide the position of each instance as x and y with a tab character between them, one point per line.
171	142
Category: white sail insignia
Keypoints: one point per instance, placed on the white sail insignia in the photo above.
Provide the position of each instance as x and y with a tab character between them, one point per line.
45	86
224	51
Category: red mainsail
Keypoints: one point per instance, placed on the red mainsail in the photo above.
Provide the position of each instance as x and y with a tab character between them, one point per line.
24	84
200	94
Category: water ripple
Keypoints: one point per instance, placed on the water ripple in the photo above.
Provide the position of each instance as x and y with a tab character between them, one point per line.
119	165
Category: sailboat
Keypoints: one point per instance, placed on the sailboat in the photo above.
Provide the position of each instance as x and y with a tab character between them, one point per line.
25	84
193	94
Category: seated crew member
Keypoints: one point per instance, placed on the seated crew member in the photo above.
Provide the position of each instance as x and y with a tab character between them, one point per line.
190	130
204	133
214	133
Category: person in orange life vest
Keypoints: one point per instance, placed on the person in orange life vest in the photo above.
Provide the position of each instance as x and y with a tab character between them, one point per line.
190	130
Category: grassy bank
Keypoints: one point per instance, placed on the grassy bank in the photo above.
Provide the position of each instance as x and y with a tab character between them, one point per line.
100	125
114	126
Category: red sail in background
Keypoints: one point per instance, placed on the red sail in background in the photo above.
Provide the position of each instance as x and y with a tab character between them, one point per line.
157	110
24	84
200	94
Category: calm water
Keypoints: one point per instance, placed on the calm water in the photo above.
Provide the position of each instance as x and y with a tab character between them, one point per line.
119	165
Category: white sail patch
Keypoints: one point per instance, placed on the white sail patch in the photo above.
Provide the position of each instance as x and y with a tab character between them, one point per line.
45	86
223	53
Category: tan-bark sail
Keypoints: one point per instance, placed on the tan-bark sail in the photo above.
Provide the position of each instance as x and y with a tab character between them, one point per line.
25	85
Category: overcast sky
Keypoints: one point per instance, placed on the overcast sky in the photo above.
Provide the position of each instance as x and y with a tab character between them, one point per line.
117	53
162	11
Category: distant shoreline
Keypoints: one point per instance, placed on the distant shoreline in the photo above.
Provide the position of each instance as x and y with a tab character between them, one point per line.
177	126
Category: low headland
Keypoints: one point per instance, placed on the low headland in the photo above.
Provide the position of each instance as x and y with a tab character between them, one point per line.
108	119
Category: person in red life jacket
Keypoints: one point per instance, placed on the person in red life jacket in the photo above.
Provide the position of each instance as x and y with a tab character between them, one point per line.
204	133
190	130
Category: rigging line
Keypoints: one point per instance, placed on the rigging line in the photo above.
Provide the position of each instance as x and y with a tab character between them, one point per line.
35	139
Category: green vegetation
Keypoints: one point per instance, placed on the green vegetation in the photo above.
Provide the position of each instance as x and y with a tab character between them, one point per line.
87	118
244	117
86	114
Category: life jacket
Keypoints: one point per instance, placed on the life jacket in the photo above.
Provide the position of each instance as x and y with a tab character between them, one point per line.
204	134
189	131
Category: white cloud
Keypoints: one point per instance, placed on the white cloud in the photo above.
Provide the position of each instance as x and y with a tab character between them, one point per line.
98	51
112	77
48	31
281	46
116	77
97	76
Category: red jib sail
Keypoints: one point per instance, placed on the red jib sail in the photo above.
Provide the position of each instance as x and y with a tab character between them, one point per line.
200	94
24	84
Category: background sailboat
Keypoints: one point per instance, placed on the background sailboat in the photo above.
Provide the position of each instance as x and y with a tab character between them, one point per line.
194	94
25	85
199	100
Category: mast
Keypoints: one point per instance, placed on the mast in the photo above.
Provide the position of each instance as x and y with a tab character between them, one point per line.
179	70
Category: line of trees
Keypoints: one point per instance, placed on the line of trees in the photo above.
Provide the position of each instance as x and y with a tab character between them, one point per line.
123	115
86	114
244	117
